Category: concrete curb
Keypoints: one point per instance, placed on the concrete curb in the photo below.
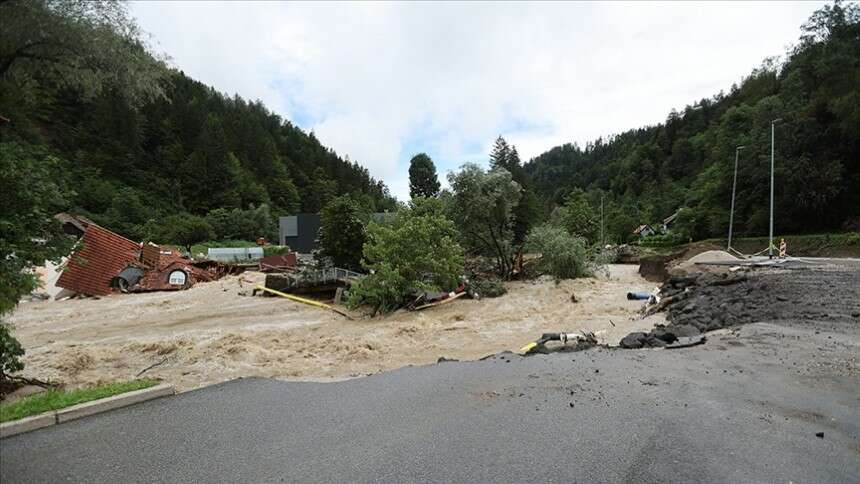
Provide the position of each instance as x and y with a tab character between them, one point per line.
27	424
80	410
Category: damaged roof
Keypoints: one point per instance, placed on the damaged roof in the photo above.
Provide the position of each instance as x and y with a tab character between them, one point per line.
100	256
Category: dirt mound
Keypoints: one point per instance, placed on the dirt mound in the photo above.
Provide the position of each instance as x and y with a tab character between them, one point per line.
693	264
658	268
705	302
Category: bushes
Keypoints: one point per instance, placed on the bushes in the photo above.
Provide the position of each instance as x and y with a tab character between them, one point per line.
563	255
414	251
384	290
10	352
240	224
490	287
342	232
276	250
183	229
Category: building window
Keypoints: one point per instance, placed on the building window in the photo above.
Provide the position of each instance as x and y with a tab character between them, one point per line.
177	278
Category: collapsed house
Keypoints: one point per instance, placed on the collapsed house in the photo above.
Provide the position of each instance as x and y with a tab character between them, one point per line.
644	231
104	262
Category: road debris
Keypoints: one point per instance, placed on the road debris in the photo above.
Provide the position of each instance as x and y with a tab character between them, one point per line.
687	342
302	300
104	262
439	302
279	263
583	340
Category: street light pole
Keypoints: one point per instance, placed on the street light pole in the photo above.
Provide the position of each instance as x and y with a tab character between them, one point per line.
734	187
770	233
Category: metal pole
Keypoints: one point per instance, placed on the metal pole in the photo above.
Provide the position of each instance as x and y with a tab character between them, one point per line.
734	187
602	240
770	233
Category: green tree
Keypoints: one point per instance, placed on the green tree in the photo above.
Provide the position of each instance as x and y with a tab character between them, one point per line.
127	214
183	229
284	194
527	210
87	45
29	235
500	156
418	250
342	232
563	255
238	224
423	181
482	207
10	353
211	174
319	192
427	206
577	216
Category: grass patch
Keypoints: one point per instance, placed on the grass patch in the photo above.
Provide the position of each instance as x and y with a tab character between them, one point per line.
57	399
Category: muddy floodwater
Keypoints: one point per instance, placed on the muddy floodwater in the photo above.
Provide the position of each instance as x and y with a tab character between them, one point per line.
211	333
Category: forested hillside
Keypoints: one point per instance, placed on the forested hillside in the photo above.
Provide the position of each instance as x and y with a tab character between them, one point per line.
647	174
136	141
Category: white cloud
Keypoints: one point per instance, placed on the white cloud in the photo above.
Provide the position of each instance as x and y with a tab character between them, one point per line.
378	81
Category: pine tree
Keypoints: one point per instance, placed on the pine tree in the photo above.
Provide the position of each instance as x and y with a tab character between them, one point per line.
527	210
423	181
500	155
211	173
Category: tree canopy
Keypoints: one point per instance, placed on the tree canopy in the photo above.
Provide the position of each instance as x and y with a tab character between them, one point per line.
482	206
140	141
423	181
648	173
417	250
527	210
342	232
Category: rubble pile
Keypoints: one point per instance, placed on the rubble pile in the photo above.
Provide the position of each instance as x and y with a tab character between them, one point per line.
104	262
702	302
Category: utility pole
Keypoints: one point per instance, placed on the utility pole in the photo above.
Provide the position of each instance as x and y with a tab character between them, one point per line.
770	234
734	187
602	240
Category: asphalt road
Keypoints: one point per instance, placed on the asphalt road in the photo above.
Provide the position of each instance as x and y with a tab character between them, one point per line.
744	407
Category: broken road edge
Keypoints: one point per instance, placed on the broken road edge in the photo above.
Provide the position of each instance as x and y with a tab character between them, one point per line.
85	409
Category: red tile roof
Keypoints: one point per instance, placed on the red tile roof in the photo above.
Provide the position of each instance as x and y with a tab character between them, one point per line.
102	255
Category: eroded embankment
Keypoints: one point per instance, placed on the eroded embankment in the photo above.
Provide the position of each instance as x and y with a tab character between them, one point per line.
824	295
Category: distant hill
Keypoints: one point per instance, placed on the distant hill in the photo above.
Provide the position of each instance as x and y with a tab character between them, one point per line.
187	149
647	174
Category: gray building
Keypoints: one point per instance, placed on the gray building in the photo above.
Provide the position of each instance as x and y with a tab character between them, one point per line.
299	232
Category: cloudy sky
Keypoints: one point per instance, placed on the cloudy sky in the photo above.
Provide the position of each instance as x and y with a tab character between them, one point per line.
382	81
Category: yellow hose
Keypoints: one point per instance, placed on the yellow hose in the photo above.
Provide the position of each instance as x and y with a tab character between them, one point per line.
528	347
310	302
